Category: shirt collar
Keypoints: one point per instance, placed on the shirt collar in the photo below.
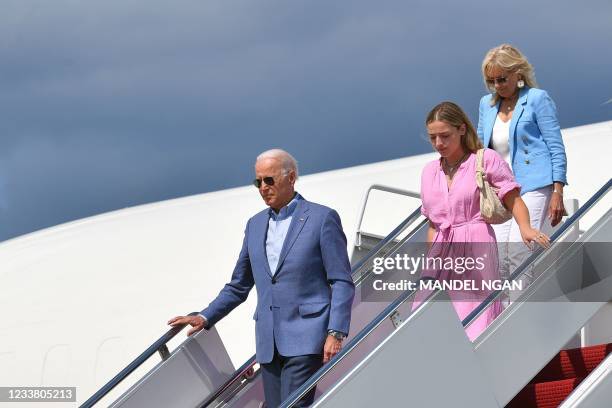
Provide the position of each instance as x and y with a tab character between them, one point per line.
286	211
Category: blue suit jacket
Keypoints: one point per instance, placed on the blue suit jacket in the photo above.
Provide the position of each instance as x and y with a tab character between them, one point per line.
311	292
536	147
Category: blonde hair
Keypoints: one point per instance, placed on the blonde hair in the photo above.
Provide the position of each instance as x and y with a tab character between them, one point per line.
452	114
509	59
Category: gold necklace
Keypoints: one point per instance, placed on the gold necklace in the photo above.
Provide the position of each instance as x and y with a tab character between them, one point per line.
452	168
511	105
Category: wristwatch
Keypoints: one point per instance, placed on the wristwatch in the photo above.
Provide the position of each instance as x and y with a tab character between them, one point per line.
336	334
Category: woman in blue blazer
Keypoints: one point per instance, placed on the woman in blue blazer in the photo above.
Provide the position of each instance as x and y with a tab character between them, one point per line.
519	121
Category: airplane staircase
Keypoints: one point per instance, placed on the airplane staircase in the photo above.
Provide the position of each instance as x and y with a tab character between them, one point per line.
200	370
424	363
422	357
562	375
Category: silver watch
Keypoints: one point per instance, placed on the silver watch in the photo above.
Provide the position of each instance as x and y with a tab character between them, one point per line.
336	334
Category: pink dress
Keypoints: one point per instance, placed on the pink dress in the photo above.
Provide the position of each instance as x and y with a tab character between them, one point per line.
462	233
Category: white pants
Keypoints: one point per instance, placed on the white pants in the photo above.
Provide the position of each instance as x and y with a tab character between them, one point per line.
512	249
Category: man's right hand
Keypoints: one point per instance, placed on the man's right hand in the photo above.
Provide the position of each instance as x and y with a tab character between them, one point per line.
197	323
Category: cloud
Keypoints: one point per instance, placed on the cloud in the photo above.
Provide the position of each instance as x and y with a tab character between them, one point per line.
108	104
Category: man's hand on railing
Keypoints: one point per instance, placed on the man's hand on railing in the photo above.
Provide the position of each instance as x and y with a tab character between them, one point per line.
331	348
197	322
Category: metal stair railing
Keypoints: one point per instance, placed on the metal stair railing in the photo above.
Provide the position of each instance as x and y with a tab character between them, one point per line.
158	346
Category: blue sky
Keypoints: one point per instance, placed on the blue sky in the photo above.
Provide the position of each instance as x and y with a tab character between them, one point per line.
108	104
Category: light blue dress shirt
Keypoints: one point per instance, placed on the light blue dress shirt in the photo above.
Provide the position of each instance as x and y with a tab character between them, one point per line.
278	225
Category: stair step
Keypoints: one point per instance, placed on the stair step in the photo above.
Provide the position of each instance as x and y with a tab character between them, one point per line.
548	394
572	363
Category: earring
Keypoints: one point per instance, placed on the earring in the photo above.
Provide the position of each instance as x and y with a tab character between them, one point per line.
520	83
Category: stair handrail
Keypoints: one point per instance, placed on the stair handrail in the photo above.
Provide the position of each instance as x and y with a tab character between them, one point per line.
245	371
158	346
386	189
299	393
539	250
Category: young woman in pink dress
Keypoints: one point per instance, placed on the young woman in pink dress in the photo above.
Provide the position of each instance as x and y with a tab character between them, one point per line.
451	203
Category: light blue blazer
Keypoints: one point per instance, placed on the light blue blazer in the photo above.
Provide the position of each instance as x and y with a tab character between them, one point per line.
311	292
536	148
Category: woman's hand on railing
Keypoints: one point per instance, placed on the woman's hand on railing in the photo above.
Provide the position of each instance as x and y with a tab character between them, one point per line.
197	322
532	235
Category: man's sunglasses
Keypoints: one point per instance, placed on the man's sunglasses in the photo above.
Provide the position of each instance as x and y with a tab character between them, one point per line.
267	180
499	81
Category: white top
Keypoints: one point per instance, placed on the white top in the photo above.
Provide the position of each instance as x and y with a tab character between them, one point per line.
499	138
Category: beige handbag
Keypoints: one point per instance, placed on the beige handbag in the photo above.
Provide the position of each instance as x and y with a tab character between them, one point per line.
491	208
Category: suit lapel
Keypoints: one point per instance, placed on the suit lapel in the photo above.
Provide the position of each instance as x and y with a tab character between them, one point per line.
489	121
297	223
518	111
260	232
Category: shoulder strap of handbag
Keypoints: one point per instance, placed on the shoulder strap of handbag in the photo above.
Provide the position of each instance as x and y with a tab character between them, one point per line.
479	159
479	169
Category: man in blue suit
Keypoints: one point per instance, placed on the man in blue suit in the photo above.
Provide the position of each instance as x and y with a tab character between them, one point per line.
294	252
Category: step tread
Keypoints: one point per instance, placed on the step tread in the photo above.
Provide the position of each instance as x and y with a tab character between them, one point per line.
578	362
547	394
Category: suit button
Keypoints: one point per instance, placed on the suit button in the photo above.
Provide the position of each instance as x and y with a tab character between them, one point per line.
526	161
270	307
526	151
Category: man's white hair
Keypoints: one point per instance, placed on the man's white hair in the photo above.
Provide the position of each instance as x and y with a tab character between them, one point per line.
288	162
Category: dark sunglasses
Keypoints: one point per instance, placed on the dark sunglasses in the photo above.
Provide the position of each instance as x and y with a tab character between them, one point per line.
267	180
498	81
